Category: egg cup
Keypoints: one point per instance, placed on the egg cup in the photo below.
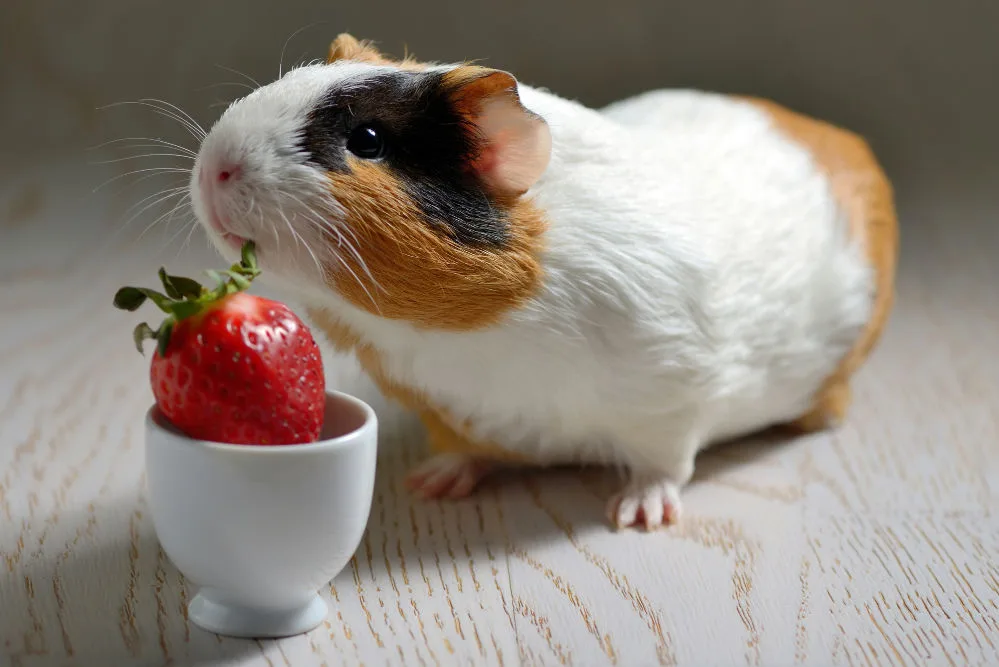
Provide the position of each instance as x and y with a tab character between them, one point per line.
261	529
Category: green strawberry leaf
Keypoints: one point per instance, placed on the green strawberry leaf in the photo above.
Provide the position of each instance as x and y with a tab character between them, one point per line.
168	285
185	297
188	286
129	298
179	287
249	256
162	302
141	334
216	277
240	282
184	309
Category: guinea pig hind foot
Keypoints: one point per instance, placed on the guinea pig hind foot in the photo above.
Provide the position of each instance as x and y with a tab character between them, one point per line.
448	475
647	502
651	498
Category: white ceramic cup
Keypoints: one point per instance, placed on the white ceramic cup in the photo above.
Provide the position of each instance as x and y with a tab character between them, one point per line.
262	528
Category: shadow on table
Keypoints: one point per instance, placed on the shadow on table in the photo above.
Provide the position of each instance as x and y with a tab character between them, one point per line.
108	598
521	509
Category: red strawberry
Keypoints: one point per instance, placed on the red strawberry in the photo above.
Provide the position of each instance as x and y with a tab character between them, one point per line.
230	366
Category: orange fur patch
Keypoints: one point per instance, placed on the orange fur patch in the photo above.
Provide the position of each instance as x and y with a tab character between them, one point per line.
442	433
422	276
469	85
347	47
864	192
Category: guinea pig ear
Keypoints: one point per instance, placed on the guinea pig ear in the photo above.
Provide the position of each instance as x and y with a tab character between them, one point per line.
514	143
346	47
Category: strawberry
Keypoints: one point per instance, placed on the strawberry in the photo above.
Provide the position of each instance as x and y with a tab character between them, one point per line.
230	366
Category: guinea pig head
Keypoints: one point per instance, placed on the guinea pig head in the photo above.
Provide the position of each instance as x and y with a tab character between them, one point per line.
399	187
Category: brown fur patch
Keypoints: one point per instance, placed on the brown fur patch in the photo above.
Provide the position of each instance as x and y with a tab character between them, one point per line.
424	277
443	435
864	192
347	47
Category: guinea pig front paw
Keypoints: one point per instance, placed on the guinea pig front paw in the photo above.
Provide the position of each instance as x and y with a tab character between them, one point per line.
448	476
646	502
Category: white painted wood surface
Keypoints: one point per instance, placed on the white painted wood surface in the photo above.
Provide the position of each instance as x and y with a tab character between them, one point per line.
874	545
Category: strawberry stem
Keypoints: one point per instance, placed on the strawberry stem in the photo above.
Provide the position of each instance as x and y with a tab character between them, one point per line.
186	297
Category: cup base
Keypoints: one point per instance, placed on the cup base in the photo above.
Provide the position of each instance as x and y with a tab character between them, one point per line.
208	613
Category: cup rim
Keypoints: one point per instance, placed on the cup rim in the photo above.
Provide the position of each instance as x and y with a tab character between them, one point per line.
344	440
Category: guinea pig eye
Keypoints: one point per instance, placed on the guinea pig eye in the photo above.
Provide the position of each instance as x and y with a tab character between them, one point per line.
366	142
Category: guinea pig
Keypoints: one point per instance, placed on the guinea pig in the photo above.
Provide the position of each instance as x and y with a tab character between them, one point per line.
545	283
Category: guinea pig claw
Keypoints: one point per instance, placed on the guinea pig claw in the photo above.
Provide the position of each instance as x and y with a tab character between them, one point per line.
451	476
647	504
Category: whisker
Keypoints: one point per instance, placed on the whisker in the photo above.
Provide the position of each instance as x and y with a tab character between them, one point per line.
238	73
290	228
345	265
152	139
195	130
274	229
287	41
189	155
157	220
185	200
335	212
319	266
343	242
161	197
143	155
228	83
180	111
260	216
315	260
193	223
364	266
157	170
183	183
341	239
323	229
172	190
347	230
310	208
168	192
173	238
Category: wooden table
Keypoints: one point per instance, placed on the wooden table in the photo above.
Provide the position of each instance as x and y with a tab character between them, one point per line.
873	545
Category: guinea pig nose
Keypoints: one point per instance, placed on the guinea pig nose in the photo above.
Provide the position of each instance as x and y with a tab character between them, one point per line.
228	173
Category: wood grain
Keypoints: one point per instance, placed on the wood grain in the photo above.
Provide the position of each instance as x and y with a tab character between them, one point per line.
872	545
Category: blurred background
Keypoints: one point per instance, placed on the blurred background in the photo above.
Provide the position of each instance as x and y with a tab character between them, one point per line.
918	79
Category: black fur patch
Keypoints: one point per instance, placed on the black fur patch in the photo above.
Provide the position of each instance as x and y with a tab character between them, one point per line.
429	148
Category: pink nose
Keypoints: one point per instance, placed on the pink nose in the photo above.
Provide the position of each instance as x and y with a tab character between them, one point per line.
228	173
222	174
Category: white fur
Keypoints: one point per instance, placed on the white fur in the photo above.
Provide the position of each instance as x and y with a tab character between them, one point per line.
700	284
280	202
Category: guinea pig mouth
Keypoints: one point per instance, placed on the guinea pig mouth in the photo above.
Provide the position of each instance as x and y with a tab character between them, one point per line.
236	242
219	227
